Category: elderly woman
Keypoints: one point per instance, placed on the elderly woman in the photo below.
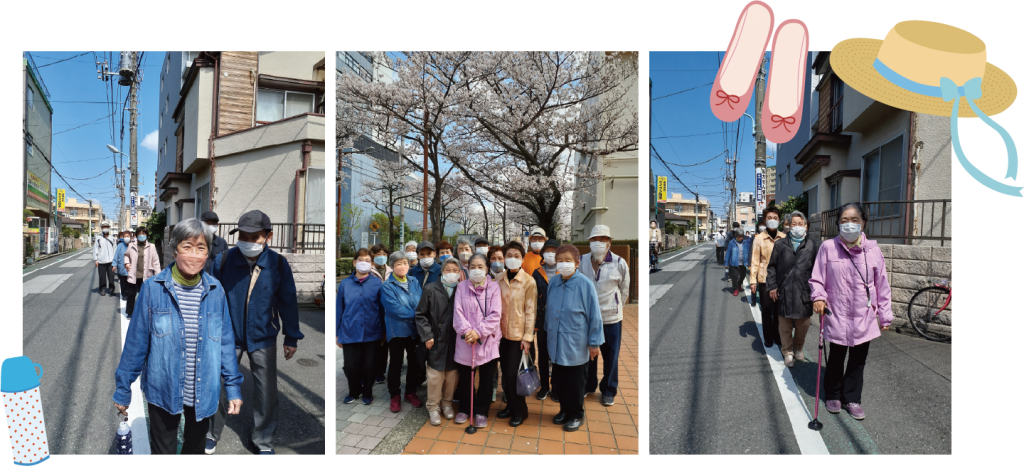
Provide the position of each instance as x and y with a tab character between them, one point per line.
850	279
541	276
380	254
435	325
737	259
178	307
463	251
575	334
411	254
519	313
789	270
141	262
496	261
477	322
360	327
400	296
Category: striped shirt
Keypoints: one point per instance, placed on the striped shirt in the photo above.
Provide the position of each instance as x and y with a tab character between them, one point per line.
403	283
188	299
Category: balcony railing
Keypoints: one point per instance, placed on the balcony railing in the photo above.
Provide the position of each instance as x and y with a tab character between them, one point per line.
297	238
904	220
832	120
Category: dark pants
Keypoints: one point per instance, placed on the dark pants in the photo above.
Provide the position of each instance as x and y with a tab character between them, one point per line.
358	367
263	366
769	318
569	383
543	360
380	364
510	355
736	273
482	396
414	375
106	276
845	387
720	254
128	291
163	432
610	357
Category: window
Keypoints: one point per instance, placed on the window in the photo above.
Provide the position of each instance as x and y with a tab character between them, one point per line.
315	196
30	96
834	194
273	105
743	210
883	172
28	144
179	150
837	104
202	199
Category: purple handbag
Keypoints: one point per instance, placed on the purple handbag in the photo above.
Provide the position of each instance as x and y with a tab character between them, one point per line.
527	381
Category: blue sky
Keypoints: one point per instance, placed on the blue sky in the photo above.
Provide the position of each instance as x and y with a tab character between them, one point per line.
689	114
78	98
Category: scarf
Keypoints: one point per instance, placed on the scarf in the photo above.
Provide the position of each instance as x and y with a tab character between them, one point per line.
178	277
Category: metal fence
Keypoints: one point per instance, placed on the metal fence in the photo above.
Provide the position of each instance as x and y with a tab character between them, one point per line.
298	238
634	276
906	220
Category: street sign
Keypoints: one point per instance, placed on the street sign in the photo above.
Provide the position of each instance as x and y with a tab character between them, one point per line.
374	226
134	218
60	200
364	240
662	188
759	190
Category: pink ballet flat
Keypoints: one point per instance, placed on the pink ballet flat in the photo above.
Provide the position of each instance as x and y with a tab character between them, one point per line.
784	96
734	84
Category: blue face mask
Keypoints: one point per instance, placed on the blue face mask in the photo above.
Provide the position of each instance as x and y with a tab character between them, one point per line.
380	260
142	238
445	257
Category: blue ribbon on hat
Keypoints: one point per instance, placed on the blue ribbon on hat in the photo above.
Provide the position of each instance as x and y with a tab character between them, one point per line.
947	91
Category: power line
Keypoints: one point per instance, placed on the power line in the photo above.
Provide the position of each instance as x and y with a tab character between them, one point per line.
72	129
656	154
701	163
680	92
61	61
91	177
688	135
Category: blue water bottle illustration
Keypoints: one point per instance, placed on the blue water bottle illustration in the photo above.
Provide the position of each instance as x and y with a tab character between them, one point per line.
19	383
124	438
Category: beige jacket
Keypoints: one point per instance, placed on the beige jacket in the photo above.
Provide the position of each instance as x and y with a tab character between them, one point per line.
131	258
761	254
518	306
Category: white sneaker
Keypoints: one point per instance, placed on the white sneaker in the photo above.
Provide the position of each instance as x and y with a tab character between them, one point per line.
789	360
799	355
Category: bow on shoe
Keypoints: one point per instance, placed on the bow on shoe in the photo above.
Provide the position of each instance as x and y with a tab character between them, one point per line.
727	98
783	122
972	91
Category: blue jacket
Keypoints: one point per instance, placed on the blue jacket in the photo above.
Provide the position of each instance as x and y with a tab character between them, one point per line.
359	314
155	348
572	319
432	274
732	253
119	258
273	302
400	307
219	245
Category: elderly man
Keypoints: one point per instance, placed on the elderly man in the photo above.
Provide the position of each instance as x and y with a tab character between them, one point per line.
211	223
427	271
261	297
610	275
410	253
103	256
534	258
720	240
760	256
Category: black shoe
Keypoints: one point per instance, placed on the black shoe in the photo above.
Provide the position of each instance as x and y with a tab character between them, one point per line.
560	419
543	393
516	421
504	414
573	425
554	396
103	292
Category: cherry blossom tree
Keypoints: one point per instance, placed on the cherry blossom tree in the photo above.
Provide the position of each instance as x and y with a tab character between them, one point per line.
390	185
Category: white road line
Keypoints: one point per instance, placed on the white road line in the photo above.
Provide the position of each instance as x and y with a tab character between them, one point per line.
43	284
657	291
680	266
55	263
136	413
809	441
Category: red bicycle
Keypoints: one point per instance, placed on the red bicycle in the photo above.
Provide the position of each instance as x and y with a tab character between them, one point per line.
926	315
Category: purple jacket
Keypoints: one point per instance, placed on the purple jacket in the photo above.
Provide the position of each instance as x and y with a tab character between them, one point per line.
835	281
477	309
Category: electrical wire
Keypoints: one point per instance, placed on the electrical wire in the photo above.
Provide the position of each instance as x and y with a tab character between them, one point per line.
682	91
61	61
687	135
701	163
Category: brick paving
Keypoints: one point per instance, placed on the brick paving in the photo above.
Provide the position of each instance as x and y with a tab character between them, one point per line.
360	428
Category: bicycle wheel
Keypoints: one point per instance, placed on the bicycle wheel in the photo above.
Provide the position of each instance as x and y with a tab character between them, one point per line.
921	314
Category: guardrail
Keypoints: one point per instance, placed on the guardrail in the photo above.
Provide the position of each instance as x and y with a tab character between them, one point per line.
906	220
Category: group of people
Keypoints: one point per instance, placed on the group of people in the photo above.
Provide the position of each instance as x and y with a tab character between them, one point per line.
454	313
132	257
198	317
793	277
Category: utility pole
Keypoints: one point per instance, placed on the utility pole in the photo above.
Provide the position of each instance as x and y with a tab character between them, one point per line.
760	145
426	149
134	78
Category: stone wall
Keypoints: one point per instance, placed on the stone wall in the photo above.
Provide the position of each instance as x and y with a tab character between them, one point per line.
912	268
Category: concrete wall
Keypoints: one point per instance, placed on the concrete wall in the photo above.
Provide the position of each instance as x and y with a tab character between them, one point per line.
197	119
933	174
261	179
297	65
170	79
618	195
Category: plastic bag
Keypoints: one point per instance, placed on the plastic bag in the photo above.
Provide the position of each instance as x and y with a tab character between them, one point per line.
527	381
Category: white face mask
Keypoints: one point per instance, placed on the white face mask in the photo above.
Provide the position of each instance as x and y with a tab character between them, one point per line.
450	278
427	262
465	255
549	258
106	231
211	229
761	228
849	231
798	232
477	275
536	246
363	267
599	248
411	256
565	268
773	224
481	251
513	263
251	249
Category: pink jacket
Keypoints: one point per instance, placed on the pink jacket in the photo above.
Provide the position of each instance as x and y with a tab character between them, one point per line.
131	256
835	281
477	308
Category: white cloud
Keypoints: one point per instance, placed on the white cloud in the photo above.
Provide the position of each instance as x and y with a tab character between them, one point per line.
149	142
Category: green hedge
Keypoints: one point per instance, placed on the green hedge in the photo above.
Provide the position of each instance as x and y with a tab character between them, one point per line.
343	267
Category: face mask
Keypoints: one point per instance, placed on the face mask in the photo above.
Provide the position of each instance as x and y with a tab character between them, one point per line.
477	275
411	256
513	263
450	278
402	270
599	248
427	262
464	256
363	267
445	257
849	231
250	250
549	258
106	232
773	224
497	267
481	251
653	226
142	238
211	229
798	232
380	260
761	228
536	246
190	264
565	268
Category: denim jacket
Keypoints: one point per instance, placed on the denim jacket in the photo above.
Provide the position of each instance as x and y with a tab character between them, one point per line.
155	348
119	258
272	306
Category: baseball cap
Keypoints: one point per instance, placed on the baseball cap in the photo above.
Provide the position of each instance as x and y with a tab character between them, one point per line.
538	231
252	221
209	216
425	244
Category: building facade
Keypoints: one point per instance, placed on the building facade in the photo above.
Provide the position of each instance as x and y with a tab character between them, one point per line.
690	213
769	184
37	128
786	185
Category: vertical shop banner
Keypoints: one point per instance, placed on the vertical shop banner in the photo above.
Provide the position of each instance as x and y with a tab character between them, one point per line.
759	190
662	188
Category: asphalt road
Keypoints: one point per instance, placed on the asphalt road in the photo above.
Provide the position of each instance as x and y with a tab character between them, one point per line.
713	390
75	334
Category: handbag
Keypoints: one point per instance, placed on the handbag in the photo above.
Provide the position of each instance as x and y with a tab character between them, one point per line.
527	380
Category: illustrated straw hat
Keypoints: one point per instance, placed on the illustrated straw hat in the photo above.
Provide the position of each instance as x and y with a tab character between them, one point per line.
923	52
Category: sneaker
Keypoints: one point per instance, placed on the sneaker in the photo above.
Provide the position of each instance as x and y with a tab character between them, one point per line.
380	379
608	400
856	411
103	292
396	404
435	417
554	396
447	412
735	292
367	401
543	393
789	360
461	418
799	355
413	400
211	446
833	406
349	399
267	452
480	421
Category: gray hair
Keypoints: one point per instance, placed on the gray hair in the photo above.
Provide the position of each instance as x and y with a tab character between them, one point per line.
787	218
467	243
395	257
451	260
410	243
797	213
189	229
481	256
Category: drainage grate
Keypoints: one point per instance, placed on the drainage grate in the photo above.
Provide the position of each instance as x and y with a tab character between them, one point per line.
307	362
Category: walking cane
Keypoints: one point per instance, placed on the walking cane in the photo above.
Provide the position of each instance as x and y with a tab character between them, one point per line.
815	424
471	428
